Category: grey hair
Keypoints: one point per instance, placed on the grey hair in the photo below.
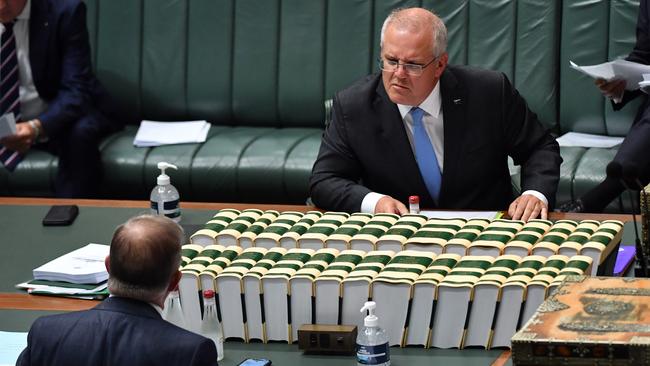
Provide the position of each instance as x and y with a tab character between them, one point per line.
123	289
407	21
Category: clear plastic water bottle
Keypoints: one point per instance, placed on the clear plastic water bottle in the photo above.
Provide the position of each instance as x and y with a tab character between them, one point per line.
164	198
210	326
173	312
372	341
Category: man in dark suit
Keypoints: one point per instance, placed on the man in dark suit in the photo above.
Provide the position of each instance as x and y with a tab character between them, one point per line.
634	153
127	328
440	132
58	104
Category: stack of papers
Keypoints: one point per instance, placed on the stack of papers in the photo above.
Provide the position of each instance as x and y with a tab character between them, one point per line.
153	133
82	266
588	140
80	274
632	72
7	125
66	289
462	214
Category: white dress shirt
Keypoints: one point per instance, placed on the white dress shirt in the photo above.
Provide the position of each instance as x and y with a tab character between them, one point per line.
31	104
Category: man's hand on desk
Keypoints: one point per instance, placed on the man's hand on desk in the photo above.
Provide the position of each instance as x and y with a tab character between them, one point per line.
388	204
527	207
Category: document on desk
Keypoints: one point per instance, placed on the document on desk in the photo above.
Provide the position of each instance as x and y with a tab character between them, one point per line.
152	133
61	288
632	72
7	125
462	214
588	140
11	345
84	265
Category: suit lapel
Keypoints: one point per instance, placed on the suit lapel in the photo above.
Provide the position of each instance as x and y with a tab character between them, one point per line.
396	142
39	39
454	108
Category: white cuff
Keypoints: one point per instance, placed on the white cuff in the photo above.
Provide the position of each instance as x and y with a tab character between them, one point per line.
537	194
370	201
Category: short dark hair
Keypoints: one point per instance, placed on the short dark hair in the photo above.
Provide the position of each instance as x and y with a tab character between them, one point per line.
145	252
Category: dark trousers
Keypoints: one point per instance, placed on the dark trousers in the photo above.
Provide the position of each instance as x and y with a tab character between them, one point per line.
80	170
633	152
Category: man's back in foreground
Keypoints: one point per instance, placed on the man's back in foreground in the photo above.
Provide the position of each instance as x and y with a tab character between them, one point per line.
119	331
127	328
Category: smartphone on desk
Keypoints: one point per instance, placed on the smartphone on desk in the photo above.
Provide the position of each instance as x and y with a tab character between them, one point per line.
61	215
255	362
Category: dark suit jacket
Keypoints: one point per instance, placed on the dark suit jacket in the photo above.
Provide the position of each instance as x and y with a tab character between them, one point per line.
119	331
365	148
59	53
635	149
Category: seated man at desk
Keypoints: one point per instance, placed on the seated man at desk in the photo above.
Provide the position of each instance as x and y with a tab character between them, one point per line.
47	84
127	328
437	131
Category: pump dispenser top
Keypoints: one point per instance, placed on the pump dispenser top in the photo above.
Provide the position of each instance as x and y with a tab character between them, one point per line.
371	320
163	179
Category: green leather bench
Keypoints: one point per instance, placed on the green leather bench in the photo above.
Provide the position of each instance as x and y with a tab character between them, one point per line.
259	71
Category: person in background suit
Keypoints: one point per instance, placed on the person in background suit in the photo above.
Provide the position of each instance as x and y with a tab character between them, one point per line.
635	149
58	104
127	328
426	128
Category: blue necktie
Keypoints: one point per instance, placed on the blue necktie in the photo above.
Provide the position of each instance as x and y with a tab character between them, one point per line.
426	155
9	93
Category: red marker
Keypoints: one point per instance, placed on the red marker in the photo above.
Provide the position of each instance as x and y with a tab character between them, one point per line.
414	204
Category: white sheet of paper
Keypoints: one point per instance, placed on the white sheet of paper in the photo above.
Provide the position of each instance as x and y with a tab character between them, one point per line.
7	125
460	214
632	72
153	133
11	345
588	140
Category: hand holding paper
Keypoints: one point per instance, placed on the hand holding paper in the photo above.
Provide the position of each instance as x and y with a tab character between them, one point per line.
629	71
7	125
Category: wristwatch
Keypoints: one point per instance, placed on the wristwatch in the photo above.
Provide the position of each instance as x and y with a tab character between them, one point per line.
36	128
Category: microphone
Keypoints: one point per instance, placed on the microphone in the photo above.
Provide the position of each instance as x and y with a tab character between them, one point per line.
630	173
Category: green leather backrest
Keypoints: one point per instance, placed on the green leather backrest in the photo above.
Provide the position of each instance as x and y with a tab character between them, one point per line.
593	32
273	62
519	38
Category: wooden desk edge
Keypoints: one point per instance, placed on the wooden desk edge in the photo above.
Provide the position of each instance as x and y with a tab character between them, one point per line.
33	201
16	301
503	358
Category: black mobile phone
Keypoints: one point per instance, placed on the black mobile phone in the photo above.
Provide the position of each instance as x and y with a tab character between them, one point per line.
61	215
255	362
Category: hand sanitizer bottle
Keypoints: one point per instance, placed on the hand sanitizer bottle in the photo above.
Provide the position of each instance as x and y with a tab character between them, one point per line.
372	341
164	197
